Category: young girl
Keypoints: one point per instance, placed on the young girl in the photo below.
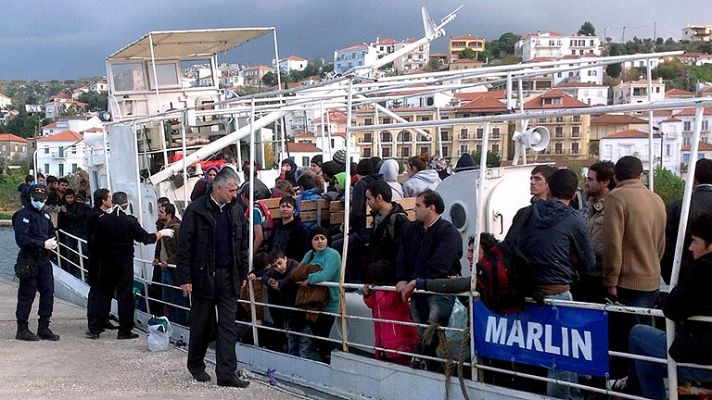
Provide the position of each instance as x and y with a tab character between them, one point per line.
329	261
389	306
282	291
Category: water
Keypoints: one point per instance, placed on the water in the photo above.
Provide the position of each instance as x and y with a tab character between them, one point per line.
8	253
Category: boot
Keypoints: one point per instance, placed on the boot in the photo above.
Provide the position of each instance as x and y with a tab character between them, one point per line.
24	333
44	332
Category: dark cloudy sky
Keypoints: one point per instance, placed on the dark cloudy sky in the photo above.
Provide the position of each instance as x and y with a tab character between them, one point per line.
43	39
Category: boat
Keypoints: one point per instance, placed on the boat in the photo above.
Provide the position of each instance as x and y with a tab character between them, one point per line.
161	127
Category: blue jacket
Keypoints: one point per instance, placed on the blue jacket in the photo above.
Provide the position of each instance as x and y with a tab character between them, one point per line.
429	254
32	229
552	238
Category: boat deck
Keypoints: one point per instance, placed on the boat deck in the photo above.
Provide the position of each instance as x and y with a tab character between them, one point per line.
79	368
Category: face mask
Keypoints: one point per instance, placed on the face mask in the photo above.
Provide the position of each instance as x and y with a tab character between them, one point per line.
37	204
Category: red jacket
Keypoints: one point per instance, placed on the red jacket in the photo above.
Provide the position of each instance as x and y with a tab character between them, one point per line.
388	305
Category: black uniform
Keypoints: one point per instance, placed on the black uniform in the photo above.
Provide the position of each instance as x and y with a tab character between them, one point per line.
212	256
32	229
113	249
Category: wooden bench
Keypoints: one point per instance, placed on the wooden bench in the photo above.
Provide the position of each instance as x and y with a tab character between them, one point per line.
700	392
336	211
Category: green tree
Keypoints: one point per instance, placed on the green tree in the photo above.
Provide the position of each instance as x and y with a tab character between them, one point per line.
467	53
668	185
493	159
433	65
269	79
95	101
587	29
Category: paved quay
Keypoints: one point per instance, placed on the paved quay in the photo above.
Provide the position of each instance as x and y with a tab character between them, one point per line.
80	368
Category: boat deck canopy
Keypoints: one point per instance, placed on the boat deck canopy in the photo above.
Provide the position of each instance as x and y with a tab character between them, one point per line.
187	44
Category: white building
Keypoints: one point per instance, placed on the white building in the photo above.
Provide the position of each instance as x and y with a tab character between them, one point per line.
420	98
99	86
5	101
687	118
697	33
637	92
292	63
635	143
60	154
359	55
414	60
384	46
329	144
303	152
552	44
590	93
592	74
73	124
642	64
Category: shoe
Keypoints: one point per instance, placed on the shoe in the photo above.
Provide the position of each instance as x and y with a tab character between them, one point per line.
91	335
24	333
618	385
201	376
418	363
126	336
45	333
108	325
234	381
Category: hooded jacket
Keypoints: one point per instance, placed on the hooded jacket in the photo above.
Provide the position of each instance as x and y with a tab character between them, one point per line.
418	183
465	163
389	170
389	306
290	176
554	236
387	235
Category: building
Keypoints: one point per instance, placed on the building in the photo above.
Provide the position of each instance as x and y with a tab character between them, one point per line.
5	101
636	143
552	44
642	64
592	94
458	43
99	86
72	124
570	135
678	94
359	55
687	117
384	46
414	97
414	60
697	33
60	154
292	63
692	58
13	147
254	73
704	150
637	91
604	125
303	152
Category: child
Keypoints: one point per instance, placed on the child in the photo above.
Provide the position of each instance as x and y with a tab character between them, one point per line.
260	264
283	292
389	305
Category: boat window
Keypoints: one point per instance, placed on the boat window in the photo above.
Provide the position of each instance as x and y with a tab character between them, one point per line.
197	73
167	75
458	216
128	77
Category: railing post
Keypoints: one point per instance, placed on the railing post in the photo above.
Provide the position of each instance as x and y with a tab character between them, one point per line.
80	245
58	249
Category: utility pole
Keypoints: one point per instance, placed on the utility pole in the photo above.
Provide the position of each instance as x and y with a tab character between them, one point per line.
623	39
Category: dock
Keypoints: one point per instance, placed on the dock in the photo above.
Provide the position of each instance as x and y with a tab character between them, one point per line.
107	368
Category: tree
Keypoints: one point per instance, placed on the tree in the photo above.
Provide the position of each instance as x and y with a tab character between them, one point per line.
493	159
433	65
269	79
467	53
95	101
668	185
587	29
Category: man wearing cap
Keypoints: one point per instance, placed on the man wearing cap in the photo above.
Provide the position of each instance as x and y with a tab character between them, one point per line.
35	237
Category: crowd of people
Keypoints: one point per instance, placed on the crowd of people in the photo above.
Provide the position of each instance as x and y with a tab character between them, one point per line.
613	249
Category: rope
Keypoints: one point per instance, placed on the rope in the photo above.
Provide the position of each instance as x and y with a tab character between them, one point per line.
429	335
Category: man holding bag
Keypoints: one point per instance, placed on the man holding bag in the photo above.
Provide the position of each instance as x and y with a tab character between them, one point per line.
35	236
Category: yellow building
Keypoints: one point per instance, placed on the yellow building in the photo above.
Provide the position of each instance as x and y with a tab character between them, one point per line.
459	43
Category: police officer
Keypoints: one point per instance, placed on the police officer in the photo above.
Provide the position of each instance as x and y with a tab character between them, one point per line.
114	236
35	236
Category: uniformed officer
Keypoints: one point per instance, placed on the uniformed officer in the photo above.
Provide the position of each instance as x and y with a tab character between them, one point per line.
35	236
114	236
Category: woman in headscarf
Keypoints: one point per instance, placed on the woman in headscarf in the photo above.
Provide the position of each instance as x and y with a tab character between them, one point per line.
202	186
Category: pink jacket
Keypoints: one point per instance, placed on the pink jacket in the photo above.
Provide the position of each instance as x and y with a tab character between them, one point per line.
388	305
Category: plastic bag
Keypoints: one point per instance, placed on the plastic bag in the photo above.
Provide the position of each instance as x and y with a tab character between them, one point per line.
159	334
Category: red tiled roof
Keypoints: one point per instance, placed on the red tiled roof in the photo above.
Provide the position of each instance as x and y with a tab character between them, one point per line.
544	34
629	134
95	129
640	82
662	113
690	112
567	101
11	137
304	135
466	36
702	147
353	47
50	126
678	92
485	103
578	84
65	136
295	57
438	55
616	119
467	96
302	148
386	41
671	119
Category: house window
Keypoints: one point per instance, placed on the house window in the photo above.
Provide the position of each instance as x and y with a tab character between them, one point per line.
75	168
424	149
367	137
386	120
386	137
61	152
705	126
368	121
405	136
668	150
479	133
495	133
405	151
446	151
552	100
576	118
46	168
463	133
333	143
559	119
305	161
559	132
542	120
575	132
687	126
463	149
386	152
558	148
445	136
478	149
46	150
574	148
495	148
61	169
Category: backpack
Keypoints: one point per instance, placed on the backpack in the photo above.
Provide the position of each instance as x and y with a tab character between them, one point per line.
267	221
502	272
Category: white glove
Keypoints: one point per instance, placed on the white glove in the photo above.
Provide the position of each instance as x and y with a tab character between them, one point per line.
50	244
166	233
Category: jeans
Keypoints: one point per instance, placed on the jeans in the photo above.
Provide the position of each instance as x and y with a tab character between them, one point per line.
430	309
174	297
620	325
648	341
562	391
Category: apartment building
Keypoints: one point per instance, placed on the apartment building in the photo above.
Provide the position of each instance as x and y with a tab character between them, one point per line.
552	44
458	43
637	91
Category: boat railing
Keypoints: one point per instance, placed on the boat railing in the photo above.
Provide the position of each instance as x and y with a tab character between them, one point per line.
75	260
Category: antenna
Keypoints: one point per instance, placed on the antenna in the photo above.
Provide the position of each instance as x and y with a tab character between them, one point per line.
428	23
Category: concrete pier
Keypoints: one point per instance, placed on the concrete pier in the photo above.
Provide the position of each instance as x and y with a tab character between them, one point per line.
80	368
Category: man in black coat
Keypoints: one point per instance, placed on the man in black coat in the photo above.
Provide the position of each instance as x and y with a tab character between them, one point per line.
389	223
212	260
114	236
